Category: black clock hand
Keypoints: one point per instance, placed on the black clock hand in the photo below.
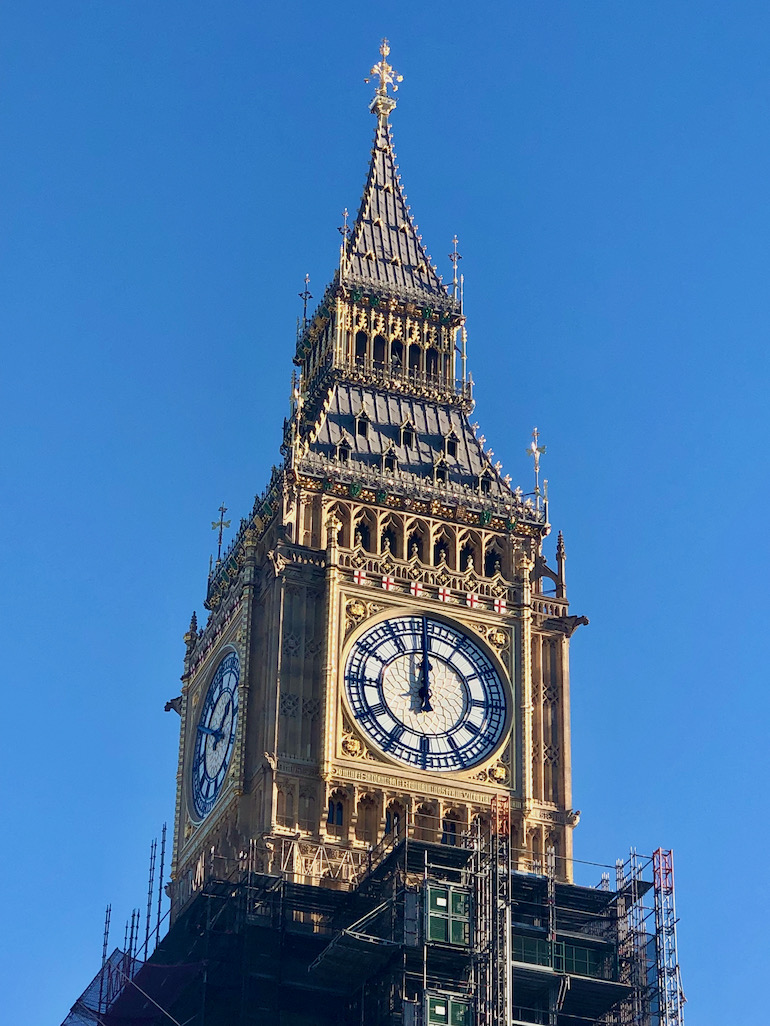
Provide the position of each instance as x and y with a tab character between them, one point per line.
424	691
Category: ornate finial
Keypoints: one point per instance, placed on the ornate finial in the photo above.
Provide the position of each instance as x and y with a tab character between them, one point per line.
455	257
220	524
536	451
344	228
382	104
193	624
560	553
304	296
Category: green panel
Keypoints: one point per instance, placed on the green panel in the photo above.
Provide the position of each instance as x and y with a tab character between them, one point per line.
461	906
459	1013
438	1010
438	898
459	932
438	928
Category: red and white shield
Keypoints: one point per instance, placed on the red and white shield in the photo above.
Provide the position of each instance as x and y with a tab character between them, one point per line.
471	600
415	588
388	583
500	606
444	594
359	576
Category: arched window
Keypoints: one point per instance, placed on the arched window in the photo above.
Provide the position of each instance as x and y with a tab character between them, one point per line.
343	450
441	551
467	557
414	359
395	820
396	355
407	438
307	818
366	821
425	822
389	541
449	831
285	808
415	548
362	342
363	534
431	362
380	348
493	562
335	816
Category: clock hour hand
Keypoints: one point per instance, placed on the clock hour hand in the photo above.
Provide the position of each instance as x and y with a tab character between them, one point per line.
215	733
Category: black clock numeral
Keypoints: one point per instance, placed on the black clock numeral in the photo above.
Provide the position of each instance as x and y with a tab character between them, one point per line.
424	750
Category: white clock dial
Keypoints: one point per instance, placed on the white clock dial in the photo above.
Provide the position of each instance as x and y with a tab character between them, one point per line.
215	735
425	693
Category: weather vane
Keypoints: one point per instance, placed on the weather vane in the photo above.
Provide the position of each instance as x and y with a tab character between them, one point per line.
220	524
382	102
536	451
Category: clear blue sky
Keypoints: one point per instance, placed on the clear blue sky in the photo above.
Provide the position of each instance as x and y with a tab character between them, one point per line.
169	173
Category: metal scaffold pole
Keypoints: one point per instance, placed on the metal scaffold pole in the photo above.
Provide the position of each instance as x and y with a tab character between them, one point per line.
670	995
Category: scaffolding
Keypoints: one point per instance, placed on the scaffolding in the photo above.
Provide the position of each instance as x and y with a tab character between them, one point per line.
413	932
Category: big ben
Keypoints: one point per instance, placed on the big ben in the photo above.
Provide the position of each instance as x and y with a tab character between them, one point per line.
373	800
383	610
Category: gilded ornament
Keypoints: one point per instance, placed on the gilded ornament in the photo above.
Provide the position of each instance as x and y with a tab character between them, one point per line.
353	747
497	637
498	774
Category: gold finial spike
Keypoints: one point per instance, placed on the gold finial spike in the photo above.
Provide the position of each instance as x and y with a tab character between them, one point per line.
220	525
536	451
383	104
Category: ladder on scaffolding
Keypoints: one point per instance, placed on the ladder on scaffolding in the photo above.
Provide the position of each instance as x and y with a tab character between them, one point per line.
670	996
493	919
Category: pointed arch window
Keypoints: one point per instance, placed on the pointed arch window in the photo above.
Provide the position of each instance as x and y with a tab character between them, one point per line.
440	471
407	435
362	424
390	461
450	445
485	482
344	449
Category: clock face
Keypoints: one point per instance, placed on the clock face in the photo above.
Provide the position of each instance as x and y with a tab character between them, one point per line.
215	735
425	693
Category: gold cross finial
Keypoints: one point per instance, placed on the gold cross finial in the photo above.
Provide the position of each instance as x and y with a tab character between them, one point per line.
220	525
383	104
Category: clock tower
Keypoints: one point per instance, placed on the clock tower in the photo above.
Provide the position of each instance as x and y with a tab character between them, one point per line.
387	649
373	805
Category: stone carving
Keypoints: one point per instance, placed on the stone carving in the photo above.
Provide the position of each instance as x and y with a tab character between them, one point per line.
311	707
499	773
289	704
353	747
279	562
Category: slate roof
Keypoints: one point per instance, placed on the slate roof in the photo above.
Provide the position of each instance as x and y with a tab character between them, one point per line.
386	413
384	249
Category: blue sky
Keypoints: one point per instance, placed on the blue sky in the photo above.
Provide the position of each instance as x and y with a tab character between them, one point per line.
170	172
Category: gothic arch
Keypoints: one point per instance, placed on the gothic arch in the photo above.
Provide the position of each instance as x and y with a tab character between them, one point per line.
338	814
444	544
365	532
418	535
366	819
341	511
392	530
470	551
493	558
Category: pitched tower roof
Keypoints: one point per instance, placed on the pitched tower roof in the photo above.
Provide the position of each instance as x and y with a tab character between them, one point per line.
384	250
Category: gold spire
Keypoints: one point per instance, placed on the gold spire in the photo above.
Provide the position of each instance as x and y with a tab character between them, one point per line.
383	104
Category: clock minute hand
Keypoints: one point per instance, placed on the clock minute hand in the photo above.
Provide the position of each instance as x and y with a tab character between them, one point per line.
424	691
